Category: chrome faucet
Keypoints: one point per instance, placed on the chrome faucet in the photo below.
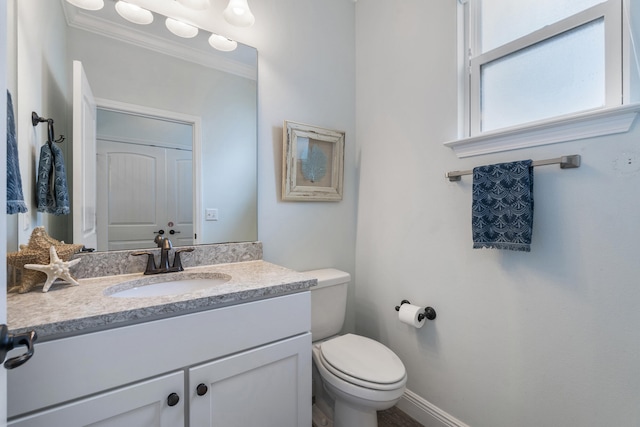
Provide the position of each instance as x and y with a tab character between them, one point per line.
165	247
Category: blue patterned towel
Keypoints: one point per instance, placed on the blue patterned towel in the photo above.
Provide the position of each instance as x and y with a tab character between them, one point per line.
52	190
15	199
502	207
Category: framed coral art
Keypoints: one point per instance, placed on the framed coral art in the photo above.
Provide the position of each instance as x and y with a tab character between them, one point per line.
312	163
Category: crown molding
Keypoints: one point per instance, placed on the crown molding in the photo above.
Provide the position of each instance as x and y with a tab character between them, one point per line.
103	27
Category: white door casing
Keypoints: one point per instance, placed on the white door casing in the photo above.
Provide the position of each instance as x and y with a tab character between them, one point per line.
84	203
180	196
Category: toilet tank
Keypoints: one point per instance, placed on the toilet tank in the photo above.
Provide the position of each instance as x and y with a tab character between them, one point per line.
328	302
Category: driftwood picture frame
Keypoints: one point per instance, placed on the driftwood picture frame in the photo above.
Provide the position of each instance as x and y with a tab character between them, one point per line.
312	163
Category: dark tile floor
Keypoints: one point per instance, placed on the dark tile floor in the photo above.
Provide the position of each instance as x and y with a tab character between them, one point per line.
394	417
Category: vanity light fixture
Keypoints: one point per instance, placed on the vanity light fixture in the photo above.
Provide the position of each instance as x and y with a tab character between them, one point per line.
195	4
87	4
138	15
181	29
222	43
134	13
238	13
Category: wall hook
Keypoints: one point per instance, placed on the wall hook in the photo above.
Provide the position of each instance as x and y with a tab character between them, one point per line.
36	120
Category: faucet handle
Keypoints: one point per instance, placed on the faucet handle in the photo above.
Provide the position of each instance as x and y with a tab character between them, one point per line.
185	249
177	262
151	262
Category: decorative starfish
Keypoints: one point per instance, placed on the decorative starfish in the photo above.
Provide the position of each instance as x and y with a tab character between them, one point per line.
37	252
57	269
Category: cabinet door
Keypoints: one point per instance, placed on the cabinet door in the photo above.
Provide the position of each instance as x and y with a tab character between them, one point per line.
142	404
269	386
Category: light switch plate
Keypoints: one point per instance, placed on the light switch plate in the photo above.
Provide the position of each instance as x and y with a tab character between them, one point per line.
211	214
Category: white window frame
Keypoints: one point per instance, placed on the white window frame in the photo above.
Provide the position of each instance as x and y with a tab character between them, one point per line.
614	117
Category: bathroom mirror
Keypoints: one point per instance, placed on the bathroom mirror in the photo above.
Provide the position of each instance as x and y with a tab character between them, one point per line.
145	71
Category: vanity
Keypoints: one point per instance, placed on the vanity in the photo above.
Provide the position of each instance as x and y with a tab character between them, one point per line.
235	354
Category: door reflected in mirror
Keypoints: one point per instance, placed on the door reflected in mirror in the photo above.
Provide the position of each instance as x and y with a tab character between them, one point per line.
145	180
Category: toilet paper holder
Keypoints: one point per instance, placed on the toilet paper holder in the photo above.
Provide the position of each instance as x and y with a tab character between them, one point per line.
429	312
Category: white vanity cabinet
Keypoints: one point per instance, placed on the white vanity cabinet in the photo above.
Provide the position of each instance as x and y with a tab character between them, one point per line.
253	359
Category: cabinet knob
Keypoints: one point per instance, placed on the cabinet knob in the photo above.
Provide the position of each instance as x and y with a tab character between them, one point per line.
173	399
202	389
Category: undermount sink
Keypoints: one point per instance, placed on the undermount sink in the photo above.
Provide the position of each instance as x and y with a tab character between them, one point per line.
158	286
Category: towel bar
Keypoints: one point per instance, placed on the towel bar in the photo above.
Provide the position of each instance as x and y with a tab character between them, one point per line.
565	162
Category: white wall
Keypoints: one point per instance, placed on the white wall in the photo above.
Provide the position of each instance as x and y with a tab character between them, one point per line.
546	338
306	68
41	81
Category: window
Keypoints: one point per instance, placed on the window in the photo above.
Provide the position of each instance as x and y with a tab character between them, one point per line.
529	62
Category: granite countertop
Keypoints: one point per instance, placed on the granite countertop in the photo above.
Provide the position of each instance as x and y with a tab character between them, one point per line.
71	310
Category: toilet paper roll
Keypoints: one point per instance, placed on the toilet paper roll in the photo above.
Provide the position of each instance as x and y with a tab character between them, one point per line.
409	314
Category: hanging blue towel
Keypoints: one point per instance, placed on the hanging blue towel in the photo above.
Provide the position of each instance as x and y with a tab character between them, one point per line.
502	207
52	190
15	199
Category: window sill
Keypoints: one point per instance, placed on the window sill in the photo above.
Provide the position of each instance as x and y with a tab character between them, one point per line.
580	126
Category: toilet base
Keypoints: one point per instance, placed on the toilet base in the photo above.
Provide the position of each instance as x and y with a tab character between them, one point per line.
346	415
350	410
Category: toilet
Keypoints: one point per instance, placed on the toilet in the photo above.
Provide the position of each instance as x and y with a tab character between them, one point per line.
353	376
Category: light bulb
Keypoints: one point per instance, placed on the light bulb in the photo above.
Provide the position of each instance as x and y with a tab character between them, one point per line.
134	13
238	13
195	4
181	29
222	43
87	4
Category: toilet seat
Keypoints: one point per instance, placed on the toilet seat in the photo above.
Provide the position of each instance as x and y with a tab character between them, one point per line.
362	361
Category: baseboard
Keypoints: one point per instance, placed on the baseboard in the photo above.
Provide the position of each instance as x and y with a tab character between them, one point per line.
426	413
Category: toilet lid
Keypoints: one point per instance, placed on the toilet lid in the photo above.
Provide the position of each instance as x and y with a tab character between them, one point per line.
363	358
